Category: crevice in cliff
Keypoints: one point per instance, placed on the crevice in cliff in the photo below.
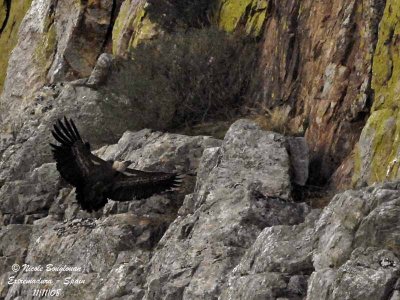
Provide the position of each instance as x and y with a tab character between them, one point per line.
113	17
315	196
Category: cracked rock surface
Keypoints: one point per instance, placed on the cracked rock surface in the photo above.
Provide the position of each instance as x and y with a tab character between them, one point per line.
232	232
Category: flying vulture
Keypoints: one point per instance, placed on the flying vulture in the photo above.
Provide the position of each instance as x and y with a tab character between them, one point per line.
96	179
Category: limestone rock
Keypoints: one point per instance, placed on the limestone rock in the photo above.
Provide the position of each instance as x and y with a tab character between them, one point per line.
238	234
369	274
352	259
299	156
58	40
101	70
242	189
22	200
377	156
278	264
121	239
9	34
14	243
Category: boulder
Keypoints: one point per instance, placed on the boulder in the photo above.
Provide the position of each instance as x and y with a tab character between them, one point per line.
242	187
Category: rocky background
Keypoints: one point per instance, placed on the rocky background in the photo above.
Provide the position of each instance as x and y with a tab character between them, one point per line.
244	224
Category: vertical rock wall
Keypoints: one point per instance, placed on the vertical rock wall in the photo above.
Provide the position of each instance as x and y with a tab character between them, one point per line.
377	156
9	35
317	60
58	40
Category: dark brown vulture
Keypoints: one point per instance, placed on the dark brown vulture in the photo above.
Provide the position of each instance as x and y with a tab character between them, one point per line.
96	179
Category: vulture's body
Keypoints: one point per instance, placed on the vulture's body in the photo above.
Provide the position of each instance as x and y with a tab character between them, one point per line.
95	179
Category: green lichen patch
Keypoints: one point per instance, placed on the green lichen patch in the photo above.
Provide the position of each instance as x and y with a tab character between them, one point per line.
386	63
249	13
145	29
119	25
9	37
3	9
383	126
45	49
231	14
131	27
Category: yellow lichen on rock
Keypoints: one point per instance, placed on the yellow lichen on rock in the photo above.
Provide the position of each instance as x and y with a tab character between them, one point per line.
46	49
119	28
381	135
9	37
3	10
131	27
145	29
386	65
249	13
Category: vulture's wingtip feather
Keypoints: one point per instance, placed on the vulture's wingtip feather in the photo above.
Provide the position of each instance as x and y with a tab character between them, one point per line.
60	138
65	131
70	129
75	129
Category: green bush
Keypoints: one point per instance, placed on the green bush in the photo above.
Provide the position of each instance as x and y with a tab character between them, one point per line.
204	73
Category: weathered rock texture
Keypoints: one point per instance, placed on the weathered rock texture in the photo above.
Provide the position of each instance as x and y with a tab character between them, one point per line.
11	16
131	26
58	40
317	60
355	256
377	156
249	15
342	253
243	186
25	148
234	230
237	235
239	191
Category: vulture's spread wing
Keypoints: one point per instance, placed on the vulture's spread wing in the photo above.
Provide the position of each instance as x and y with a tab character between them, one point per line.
74	160
141	184
79	167
95	179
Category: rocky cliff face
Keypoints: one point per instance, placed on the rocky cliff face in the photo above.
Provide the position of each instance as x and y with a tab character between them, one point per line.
242	225
317	59
377	152
237	235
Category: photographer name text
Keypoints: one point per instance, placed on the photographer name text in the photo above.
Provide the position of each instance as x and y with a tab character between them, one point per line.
26	268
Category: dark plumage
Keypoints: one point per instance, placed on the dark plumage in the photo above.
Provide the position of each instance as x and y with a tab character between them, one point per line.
95	179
